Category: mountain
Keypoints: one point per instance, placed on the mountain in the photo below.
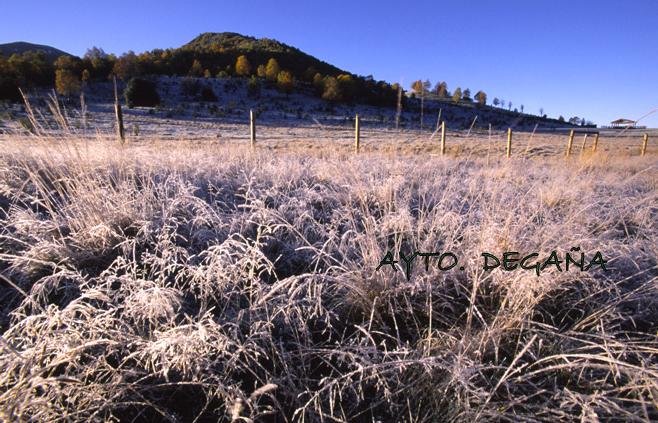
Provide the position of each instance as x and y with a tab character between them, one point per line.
20	47
260	50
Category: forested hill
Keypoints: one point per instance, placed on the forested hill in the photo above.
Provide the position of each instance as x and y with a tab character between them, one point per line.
258	50
225	55
21	47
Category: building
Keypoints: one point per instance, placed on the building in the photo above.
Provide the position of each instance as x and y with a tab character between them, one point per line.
622	123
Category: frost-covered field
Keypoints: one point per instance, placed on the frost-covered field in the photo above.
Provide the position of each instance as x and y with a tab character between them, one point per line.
198	281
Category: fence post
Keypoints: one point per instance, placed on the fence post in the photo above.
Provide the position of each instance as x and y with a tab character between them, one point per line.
118	114
443	138
596	142
357	134
582	147
508	153
252	130
570	143
645	141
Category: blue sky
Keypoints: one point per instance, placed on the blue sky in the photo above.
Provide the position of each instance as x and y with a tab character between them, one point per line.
593	59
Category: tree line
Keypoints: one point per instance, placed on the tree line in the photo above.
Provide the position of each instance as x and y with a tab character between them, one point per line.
68	74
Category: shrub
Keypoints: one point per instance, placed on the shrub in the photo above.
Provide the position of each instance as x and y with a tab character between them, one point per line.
253	87
190	87
207	94
141	93
9	90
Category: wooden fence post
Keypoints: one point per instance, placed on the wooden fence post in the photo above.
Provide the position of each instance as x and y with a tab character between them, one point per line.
252	130
508	153
357	134
570	143
645	141
582	147
596	142
443	138
118	114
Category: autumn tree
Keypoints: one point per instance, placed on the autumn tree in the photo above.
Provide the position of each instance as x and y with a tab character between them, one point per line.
481	98
260	71
285	81
318	84
67	81
457	95
242	66
331	90
272	69
99	63
127	66
442	89
196	69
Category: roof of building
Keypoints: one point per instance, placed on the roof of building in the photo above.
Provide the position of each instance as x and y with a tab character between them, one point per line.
622	121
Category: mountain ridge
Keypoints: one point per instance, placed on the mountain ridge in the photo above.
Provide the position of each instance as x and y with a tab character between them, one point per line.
20	47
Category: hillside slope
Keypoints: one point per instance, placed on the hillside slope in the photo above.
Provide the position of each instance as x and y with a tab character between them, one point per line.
259	50
21	47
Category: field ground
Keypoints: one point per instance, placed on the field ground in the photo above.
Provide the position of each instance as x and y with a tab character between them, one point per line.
174	280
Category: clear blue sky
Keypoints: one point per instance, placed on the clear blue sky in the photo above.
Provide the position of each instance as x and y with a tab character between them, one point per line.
593	59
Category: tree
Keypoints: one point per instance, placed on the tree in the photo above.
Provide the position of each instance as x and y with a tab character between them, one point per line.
442	90
242	66
141	93
574	120
457	95
481	98
347	87
207	74
522	108
98	62
560	118
331	90
509	105
272	69
417	86
260	71
66	83
196	69
467	95
127	66
496	102
285	81
318	84
541	111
